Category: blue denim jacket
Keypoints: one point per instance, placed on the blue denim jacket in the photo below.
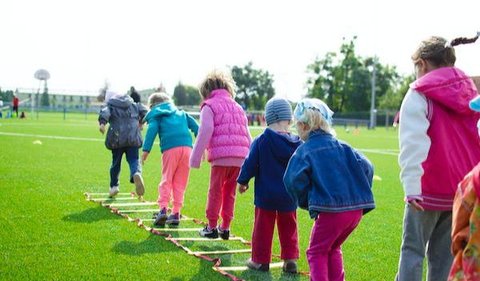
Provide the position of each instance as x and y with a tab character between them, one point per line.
327	175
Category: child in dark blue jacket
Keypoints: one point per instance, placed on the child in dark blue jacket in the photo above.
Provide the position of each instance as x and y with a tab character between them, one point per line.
267	161
333	182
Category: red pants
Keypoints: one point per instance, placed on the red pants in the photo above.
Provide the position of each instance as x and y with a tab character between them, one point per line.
263	234
221	195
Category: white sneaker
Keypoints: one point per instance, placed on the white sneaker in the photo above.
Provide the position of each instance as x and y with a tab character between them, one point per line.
139	186
114	191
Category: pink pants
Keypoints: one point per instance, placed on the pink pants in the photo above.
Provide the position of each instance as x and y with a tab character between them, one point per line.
221	195
263	234
328	234
175	171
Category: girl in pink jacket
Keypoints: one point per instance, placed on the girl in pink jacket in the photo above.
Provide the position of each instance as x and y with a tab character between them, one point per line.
224	134
439	144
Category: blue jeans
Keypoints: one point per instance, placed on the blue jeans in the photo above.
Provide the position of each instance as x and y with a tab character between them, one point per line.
132	159
425	232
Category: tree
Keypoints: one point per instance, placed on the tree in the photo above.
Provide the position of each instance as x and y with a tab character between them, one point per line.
254	86
344	80
193	96
180	94
186	95
393	98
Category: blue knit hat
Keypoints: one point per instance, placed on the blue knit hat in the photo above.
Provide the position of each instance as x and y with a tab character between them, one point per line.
277	109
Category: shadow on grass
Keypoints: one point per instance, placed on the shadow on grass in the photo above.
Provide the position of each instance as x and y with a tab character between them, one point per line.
91	215
153	244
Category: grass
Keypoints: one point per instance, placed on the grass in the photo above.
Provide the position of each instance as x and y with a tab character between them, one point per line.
49	231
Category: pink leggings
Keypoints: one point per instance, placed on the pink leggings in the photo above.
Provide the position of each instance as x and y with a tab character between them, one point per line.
328	234
175	171
221	195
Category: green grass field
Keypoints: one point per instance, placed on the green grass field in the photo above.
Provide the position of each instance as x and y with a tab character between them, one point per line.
50	232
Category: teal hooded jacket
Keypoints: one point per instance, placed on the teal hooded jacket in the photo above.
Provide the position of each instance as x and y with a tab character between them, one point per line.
172	125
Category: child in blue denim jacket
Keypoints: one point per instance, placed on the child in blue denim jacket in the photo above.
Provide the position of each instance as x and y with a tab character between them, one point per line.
333	182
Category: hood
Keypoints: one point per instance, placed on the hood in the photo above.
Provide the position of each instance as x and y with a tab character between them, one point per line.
284	144
448	86
162	109
123	101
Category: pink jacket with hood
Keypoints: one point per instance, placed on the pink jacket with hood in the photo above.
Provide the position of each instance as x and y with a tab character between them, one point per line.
439	142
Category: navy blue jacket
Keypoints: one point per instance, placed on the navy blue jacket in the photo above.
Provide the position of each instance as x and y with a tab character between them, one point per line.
266	162
327	175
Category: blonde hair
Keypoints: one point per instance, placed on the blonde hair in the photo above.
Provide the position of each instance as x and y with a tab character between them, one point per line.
438	51
314	121
157	98
217	80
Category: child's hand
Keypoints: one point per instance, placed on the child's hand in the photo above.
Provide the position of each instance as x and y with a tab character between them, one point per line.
101	128
144	156
242	188
415	205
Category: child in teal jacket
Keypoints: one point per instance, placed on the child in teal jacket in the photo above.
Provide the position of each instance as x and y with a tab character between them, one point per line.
173	127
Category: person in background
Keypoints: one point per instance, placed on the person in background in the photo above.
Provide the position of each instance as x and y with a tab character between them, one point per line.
15	103
173	128
439	144
266	162
333	182
123	137
135	95
224	133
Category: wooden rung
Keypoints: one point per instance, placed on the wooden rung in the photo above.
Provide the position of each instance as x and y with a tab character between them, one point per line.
182	219
204	239
113	199
106	193
239	251
243	268
176	229
131	204
138	211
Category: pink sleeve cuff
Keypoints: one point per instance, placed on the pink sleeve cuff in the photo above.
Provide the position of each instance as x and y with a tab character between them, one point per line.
410	198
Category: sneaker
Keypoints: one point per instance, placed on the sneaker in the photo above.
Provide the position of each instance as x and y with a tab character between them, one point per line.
290	266
173	219
224	233
258	266
209	232
113	191
161	218
139	186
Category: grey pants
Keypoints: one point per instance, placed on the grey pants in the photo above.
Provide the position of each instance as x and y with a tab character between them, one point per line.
425	232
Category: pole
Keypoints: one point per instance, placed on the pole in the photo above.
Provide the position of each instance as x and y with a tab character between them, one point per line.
372	100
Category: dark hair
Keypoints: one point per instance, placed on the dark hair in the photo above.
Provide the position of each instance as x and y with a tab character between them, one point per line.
438	52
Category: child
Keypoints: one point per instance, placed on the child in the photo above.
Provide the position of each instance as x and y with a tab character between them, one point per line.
224	133
267	161
172	127
333	182
466	222
123	137
438	146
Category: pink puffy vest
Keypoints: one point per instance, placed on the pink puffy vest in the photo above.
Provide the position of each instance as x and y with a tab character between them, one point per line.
230	131
455	143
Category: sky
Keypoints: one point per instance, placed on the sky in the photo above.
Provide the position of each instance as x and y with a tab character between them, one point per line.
145	43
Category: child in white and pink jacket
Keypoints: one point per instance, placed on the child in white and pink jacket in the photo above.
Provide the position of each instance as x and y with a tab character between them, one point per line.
439	144
224	134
